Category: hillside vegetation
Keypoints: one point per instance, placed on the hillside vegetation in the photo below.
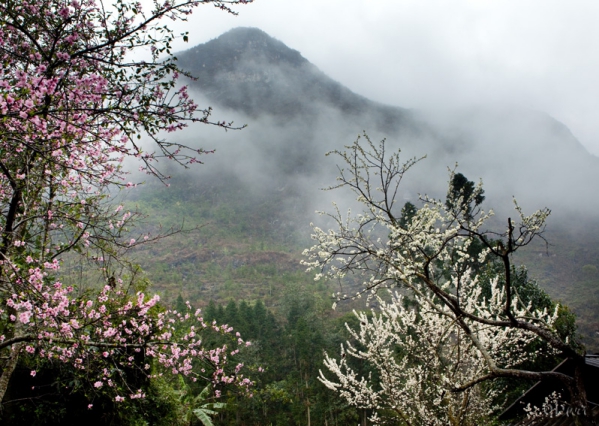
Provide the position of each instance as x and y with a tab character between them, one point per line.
255	198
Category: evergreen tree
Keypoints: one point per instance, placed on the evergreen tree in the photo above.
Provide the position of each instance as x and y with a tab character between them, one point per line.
232	314
180	305
407	213
463	195
211	311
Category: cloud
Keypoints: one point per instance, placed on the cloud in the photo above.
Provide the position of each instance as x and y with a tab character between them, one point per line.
539	54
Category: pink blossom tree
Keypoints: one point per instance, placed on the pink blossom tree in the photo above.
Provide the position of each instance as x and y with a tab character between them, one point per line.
74	104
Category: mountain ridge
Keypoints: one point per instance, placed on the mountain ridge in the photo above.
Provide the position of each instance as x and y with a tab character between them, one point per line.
245	64
215	64
260	189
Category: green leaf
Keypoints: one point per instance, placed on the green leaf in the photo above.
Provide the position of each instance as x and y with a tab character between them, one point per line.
204	394
218	405
204	416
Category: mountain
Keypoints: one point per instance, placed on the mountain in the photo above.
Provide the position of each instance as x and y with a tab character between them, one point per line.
516	151
247	70
254	199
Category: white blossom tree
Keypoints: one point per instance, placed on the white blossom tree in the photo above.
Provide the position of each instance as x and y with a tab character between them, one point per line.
416	356
434	362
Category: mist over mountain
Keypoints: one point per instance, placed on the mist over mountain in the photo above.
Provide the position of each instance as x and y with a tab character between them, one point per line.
255	198
295	113
247	70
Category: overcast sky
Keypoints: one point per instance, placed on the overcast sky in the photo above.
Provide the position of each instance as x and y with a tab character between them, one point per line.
542	54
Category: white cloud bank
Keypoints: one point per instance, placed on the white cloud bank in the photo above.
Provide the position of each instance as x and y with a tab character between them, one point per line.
540	54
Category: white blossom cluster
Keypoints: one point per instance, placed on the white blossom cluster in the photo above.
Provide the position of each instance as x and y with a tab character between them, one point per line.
553	407
419	357
433	347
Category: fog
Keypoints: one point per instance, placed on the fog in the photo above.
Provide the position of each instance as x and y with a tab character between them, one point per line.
517	153
295	114
537	54
517	115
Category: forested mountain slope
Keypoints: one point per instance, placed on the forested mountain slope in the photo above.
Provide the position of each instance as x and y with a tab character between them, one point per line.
257	193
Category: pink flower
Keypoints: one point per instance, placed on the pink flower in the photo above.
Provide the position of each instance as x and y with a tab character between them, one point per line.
33	373
119	398
64	12
24	317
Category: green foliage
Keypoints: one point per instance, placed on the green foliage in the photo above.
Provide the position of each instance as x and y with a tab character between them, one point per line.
589	270
205	410
60	395
246	256
287	348
180	304
407	213
461	190
566	324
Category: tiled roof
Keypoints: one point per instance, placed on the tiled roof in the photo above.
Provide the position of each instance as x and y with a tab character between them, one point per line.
592	360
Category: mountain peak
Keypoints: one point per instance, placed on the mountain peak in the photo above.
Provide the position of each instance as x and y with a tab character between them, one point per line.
251	33
247	43
251	38
248	70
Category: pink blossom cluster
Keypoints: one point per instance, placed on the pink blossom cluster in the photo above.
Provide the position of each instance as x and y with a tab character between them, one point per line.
113	328
73	107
